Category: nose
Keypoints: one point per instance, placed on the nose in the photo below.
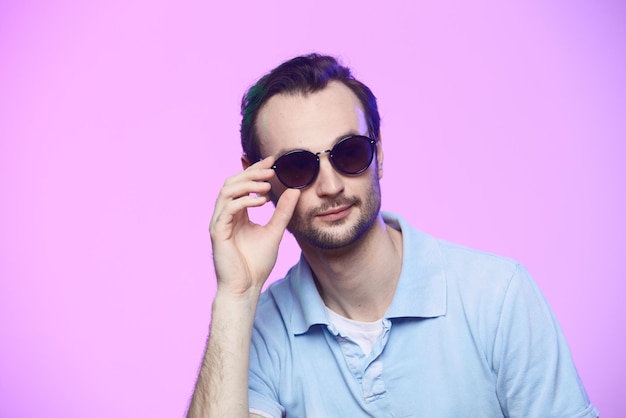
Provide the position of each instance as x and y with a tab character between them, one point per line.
329	182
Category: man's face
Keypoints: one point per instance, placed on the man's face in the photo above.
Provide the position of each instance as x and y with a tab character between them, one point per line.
336	209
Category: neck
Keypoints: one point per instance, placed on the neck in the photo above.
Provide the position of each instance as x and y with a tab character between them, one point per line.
359	281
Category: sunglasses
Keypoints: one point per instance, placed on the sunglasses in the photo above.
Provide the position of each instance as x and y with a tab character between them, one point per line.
297	169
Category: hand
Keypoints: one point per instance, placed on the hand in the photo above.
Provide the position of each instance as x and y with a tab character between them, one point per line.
244	253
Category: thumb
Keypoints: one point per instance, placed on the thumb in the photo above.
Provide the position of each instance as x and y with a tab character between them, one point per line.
284	210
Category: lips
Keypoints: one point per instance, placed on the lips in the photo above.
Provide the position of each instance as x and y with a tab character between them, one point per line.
335	213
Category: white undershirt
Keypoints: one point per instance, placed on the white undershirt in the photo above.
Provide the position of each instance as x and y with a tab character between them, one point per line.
365	334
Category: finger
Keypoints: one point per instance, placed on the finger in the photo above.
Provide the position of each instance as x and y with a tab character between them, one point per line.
236	189
253	180
222	221
264	166
284	210
250	174
244	188
266	162
259	171
235	186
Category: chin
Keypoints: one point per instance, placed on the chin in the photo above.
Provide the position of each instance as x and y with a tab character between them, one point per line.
336	235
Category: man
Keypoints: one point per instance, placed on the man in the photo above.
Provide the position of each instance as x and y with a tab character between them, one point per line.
377	319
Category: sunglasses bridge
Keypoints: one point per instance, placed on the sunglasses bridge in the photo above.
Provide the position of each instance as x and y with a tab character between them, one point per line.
328	151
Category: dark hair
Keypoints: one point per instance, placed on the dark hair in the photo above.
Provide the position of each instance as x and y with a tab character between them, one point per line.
305	74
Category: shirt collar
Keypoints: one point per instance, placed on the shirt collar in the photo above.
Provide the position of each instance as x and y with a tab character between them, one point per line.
309	308
421	291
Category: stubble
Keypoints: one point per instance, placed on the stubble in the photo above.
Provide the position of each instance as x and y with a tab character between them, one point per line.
334	235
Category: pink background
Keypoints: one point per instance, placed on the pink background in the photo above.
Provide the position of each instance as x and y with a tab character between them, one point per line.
503	122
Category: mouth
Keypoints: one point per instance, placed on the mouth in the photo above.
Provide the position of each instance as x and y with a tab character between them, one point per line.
335	214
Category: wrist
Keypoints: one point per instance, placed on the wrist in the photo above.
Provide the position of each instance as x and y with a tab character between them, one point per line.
236	300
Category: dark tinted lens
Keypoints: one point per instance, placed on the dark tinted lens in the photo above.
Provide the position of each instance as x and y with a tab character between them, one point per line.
353	155
296	169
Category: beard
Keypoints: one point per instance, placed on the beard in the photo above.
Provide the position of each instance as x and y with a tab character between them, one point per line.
335	235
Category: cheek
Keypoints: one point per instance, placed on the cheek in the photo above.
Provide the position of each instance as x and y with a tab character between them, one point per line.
306	202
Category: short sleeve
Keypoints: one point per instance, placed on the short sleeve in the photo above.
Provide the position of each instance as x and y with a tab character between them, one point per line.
536	376
262	379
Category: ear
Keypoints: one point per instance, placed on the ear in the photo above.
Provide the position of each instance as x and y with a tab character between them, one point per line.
245	163
380	156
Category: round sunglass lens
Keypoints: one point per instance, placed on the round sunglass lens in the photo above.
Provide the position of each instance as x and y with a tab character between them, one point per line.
353	155
296	169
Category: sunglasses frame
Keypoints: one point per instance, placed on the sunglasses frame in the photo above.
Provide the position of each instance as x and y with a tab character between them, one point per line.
371	141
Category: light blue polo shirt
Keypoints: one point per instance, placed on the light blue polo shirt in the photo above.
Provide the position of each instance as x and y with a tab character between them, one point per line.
468	334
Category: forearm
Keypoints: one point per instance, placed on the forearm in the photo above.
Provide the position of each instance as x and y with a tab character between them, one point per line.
222	386
244	254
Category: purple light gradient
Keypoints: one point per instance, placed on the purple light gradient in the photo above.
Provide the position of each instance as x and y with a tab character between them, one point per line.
503	124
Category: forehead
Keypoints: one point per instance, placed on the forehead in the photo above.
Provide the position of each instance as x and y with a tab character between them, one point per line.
312	121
